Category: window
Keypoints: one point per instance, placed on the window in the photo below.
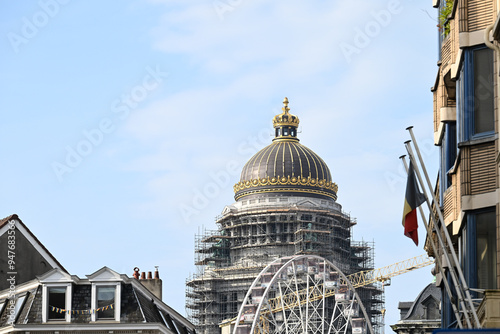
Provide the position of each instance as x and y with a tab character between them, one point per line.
57	303
18	304
486	250
479	249
475	94
167	320
483	91
180	328
105	302
448	156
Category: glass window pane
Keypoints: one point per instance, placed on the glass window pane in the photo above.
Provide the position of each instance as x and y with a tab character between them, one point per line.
483	91
105	302
17	306
2	303
486	250
57	302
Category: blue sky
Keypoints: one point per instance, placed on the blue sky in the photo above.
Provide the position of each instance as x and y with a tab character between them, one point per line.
125	123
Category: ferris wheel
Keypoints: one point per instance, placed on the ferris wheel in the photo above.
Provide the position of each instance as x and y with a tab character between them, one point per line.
302	294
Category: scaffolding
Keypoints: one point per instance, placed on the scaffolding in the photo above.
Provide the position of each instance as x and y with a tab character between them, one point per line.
363	259
248	238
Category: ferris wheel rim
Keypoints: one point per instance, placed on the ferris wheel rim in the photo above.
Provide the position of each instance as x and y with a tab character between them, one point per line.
275	278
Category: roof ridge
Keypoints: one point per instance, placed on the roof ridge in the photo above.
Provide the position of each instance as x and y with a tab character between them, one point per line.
6	219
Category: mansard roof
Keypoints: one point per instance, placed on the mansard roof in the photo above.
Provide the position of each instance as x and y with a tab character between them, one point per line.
140	309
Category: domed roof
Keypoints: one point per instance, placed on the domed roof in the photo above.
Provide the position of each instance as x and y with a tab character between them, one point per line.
286	166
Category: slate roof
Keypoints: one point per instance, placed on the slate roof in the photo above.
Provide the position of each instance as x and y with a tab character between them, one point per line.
137	307
415	311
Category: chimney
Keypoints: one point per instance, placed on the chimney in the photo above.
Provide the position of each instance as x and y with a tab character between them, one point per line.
154	285
136	273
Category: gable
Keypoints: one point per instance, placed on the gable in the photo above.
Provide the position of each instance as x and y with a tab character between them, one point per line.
57	276
31	258
307	202
105	275
227	209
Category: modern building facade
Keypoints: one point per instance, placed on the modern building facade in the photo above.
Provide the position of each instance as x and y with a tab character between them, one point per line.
466	131
286	204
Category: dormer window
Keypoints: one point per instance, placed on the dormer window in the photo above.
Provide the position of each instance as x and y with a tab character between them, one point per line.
56	302
106	301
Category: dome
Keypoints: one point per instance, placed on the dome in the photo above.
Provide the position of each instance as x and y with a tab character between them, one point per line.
286	166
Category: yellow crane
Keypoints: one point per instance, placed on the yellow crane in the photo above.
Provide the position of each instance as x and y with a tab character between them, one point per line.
357	280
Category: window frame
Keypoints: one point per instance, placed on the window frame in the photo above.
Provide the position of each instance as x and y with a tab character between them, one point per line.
116	304
45	299
448	157
470	263
466	100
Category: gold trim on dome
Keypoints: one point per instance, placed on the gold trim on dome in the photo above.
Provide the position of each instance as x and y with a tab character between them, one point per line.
286	180
285	139
285	118
295	190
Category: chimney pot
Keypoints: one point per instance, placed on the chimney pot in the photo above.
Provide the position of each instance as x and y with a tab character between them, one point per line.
150	275
136	273
143	275
157	273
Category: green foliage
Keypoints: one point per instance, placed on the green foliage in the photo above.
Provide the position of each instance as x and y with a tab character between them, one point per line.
444	12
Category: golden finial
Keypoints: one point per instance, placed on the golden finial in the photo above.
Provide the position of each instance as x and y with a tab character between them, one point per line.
285	108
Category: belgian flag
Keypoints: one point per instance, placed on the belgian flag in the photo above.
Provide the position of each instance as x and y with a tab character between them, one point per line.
413	199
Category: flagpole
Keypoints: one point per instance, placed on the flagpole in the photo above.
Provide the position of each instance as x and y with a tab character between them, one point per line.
447	235
437	257
454	278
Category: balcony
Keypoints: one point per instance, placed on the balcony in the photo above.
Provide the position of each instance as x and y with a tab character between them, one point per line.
489	309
